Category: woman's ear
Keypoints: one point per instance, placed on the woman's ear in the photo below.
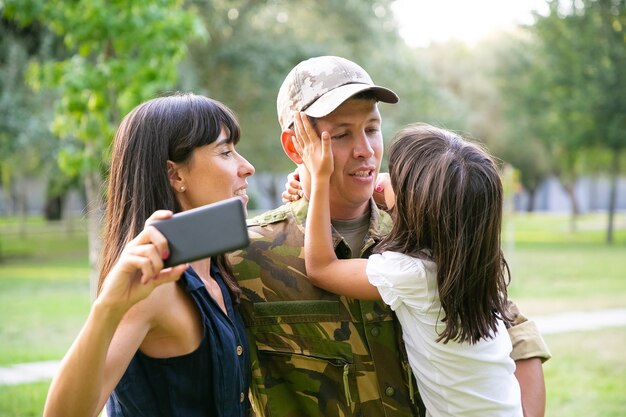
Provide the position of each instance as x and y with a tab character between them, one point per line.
174	176
286	138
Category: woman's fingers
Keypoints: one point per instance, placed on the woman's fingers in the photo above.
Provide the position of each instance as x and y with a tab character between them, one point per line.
148	259
151	234
285	197
170	274
138	264
159	241
159	215
145	259
293	187
294	177
290	194
293	180
383	192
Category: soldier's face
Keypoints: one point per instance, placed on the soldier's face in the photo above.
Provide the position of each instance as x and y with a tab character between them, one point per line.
357	142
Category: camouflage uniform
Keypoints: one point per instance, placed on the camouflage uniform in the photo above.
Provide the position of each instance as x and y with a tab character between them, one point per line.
315	353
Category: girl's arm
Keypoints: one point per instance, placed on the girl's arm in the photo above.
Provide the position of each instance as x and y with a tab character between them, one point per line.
117	324
346	276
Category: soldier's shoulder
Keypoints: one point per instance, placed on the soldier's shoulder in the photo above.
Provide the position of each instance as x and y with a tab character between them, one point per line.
269	217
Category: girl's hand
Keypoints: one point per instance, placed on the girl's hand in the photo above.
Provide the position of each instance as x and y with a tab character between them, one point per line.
316	153
384	196
139	269
293	188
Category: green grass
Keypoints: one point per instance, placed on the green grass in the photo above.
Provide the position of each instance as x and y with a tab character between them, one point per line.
38	239
565	278
44	299
50	300
25	400
546	228
44	289
586	375
554	269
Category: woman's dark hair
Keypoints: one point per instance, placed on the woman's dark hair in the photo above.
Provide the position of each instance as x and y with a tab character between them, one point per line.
449	210
161	129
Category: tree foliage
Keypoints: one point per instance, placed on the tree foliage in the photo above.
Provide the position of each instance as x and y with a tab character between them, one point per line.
254	44
24	134
118	54
568	86
558	106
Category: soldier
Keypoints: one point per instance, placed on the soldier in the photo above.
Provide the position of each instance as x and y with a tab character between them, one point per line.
315	353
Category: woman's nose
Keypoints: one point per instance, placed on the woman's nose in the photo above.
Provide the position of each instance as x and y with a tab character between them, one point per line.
246	169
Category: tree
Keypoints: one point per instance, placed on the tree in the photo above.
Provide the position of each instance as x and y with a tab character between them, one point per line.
607	19
546	98
25	141
119	53
524	142
254	44
584	46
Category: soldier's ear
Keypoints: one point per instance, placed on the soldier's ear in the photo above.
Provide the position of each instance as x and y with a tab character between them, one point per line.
286	138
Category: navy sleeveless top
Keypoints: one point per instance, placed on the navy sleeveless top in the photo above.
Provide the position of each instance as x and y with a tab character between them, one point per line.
211	381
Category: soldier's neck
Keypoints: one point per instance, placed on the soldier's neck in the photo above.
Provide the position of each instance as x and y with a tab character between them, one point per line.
349	213
353	232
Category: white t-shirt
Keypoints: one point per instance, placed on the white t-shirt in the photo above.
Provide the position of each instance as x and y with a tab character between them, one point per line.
454	379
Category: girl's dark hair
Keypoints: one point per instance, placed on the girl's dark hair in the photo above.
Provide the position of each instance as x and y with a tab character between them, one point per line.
449	210
161	129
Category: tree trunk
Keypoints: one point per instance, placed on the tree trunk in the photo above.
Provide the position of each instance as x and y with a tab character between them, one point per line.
95	202
53	208
21	203
613	195
570	189
532	193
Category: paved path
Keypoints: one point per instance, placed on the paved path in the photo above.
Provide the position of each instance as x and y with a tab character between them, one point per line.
557	323
577	321
25	373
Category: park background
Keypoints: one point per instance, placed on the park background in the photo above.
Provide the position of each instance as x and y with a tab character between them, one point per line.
547	96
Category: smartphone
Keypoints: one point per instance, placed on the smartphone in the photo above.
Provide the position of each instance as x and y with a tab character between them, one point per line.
205	231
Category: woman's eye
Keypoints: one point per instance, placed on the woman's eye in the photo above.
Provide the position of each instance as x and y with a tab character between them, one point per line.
226	153
340	136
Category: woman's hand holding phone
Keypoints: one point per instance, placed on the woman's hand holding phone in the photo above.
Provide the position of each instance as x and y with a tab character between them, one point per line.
139	268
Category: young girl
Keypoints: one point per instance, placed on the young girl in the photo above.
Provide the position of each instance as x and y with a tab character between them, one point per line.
440	269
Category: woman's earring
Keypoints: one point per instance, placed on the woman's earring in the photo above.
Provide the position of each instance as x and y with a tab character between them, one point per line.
182	188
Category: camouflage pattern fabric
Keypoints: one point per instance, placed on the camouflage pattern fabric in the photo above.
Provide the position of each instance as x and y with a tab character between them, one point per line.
318	354
315	353
319	85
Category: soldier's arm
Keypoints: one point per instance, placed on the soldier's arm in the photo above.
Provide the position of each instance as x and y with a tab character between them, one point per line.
529	374
529	352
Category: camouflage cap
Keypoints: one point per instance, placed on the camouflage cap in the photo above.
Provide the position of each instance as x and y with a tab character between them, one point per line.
319	85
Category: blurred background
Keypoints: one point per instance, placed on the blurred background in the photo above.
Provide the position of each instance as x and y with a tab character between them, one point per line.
541	83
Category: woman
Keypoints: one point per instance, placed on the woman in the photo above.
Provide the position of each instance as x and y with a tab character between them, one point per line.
154	344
